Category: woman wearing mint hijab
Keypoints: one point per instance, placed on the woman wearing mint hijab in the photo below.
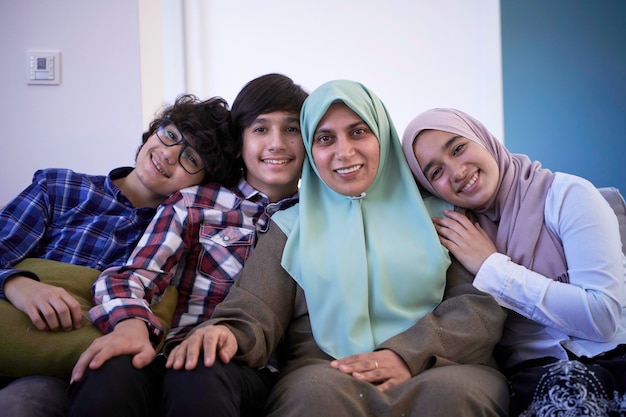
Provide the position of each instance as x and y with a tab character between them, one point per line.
351	288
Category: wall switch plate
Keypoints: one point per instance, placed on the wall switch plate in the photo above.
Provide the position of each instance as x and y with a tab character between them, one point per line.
44	67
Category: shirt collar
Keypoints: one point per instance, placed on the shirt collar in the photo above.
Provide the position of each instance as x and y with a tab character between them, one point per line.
110	186
248	192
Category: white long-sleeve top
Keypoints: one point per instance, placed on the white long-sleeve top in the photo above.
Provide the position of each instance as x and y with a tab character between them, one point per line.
585	316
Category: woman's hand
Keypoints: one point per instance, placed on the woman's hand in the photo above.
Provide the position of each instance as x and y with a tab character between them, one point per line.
213	340
467	241
383	368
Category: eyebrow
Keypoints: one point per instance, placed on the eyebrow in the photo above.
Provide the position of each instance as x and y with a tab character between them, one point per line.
289	119
351	126
444	148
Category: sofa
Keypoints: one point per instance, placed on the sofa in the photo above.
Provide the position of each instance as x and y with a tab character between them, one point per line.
617	203
27	351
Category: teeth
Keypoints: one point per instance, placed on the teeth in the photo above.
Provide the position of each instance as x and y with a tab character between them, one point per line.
158	167
275	161
470	183
348	170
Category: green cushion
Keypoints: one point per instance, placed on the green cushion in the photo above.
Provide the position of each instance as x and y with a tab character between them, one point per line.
24	350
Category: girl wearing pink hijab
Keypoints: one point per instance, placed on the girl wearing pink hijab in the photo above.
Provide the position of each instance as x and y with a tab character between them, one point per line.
547	247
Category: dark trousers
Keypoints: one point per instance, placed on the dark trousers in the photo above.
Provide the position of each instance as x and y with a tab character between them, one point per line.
118	389
222	390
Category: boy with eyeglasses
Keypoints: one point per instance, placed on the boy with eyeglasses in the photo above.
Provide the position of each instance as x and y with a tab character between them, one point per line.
198	241
96	221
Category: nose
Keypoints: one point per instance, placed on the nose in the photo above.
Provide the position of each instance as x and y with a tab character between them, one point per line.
459	171
277	141
170	153
345	148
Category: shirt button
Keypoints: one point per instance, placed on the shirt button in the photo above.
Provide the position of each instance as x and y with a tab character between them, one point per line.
226	238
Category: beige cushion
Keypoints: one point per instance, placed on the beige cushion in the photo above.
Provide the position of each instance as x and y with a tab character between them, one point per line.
617	203
24	350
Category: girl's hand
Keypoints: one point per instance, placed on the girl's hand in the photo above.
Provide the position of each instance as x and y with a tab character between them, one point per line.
467	241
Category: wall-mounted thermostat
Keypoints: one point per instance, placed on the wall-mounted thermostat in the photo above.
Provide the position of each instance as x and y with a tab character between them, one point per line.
44	67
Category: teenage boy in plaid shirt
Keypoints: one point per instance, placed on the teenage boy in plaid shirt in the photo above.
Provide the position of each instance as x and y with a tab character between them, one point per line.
95	221
198	241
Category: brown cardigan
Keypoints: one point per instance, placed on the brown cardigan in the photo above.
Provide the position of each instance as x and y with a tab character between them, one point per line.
266	310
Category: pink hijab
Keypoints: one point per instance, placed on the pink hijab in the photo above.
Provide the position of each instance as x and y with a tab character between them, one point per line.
514	217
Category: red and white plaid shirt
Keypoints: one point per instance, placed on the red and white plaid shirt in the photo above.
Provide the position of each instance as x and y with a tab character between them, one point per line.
198	241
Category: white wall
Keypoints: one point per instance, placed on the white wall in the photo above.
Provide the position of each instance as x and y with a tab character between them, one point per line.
414	54
91	122
119	64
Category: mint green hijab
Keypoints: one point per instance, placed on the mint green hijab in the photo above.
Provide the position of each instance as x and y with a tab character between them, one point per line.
371	266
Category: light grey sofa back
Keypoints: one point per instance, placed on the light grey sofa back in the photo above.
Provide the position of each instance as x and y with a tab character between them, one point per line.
616	201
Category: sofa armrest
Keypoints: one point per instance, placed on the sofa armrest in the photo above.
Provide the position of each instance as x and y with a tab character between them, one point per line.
617	203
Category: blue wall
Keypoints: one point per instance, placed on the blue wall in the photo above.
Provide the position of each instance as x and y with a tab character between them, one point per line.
564	83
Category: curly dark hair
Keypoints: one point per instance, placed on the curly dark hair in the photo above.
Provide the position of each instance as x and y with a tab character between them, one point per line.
265	94
206	125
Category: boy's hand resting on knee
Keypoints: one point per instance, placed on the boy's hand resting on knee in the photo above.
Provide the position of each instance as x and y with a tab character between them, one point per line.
383	368
213	340
129	337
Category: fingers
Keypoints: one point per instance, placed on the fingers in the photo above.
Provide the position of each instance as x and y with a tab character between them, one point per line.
386	385
363	364
55	314
382	368
101	350
459	218
211	344
372	373
64	313
227	344
213	340
129	337
76	312
193	352
143	358
48	307
44	318
186	354
456	229
454	221
175	359
85	361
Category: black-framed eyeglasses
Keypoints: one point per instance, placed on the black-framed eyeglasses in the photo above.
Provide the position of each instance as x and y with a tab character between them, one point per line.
189	158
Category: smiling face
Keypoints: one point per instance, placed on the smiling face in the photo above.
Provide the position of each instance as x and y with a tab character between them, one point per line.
345	151
273	153
159	171
460	170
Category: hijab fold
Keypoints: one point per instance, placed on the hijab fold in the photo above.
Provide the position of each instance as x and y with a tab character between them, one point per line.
370	266
514	217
